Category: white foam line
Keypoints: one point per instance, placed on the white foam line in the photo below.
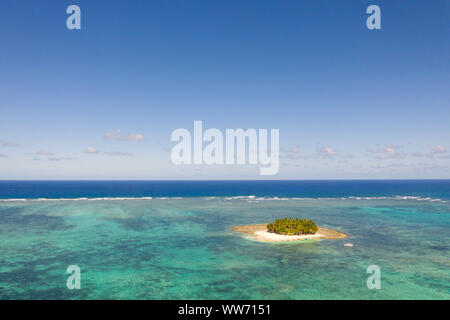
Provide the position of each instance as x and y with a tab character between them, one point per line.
251	198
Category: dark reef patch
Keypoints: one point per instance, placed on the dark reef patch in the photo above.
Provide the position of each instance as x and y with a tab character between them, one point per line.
13	218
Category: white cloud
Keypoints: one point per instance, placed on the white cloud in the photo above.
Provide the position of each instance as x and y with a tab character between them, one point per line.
418	155
91	150
59	158
119	153
438	149
388	152
292	153
9	144
2	155
436	152
44	153
327	151
50	156
136	137
117	135
390	149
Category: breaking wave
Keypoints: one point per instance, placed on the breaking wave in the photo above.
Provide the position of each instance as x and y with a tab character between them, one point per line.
250	198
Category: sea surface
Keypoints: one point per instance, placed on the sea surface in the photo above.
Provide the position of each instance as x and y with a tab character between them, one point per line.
173	239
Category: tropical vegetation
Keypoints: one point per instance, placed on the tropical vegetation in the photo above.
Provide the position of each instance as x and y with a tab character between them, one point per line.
293	226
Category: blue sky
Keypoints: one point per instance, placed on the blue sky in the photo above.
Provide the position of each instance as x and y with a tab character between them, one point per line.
350	103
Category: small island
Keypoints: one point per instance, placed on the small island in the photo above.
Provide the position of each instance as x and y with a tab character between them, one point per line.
288	229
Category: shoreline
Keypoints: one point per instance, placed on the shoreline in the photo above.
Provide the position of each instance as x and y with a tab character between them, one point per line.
260	233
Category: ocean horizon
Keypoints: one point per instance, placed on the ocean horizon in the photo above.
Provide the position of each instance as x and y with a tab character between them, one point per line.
173	239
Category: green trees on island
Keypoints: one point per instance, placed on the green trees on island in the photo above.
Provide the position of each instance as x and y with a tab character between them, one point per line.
291	226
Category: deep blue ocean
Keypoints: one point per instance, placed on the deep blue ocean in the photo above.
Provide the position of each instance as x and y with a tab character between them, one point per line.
289	188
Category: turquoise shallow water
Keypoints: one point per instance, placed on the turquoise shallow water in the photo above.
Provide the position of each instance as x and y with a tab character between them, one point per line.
184	249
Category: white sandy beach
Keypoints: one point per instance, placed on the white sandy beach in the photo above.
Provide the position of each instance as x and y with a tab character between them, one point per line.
264	235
